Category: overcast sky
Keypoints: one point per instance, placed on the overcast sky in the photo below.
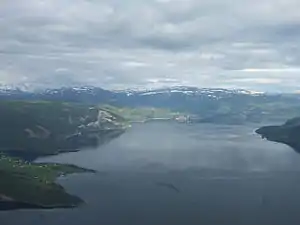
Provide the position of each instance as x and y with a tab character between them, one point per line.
252	44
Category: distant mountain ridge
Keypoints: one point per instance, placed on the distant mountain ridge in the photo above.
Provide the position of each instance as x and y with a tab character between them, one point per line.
179	89
99	94
209	104
193	91
173	97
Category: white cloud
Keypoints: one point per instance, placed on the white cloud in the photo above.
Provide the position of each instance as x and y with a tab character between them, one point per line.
142	43
272	70
257	80
134	64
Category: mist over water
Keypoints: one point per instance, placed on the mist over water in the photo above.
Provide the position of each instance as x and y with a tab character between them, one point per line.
165	173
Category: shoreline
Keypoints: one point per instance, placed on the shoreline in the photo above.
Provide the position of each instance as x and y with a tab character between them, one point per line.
40	189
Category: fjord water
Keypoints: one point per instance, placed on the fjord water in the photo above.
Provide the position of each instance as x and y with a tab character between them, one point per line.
168	173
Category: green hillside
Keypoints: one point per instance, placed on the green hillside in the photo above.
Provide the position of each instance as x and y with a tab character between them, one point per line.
51	127
32	129
34	184
141	114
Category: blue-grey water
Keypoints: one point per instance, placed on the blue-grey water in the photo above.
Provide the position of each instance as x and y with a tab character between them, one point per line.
181	174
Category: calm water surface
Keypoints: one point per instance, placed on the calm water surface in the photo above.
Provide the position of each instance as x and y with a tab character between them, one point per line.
169	174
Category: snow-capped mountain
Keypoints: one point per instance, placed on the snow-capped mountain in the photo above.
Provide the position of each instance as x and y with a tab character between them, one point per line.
7	88
216	105
96	94
187	98
193	91
203	102
180	97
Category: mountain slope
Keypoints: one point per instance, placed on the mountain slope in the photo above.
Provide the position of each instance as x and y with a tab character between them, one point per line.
43	128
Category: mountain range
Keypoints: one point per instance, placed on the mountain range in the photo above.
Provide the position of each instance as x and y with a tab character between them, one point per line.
208	104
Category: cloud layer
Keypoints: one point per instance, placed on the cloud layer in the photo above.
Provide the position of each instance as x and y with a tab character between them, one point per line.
149	43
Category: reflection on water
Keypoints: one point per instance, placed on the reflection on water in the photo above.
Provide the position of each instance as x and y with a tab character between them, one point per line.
180	174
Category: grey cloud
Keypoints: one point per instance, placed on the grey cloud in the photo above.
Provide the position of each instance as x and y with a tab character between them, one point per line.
117	44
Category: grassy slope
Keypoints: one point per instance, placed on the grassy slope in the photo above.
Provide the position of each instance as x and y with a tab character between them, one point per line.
141	113
35	183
